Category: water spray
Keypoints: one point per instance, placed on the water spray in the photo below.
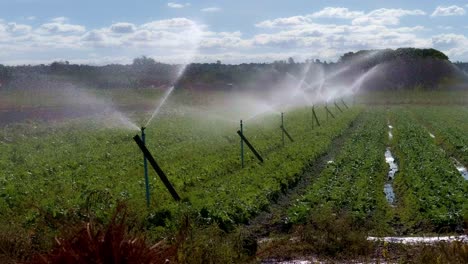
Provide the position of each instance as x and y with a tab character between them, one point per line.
283	130
145	165
161	103
244	139
156	167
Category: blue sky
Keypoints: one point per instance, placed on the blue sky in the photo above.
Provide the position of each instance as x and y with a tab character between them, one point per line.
101	31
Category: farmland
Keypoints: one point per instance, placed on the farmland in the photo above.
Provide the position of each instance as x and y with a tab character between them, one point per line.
60	173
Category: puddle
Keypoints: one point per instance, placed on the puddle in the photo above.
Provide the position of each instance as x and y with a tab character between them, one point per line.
389	194
390	127
462	169
390	160
393	168
417	240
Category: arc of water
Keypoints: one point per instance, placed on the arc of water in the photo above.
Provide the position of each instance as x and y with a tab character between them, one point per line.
161	103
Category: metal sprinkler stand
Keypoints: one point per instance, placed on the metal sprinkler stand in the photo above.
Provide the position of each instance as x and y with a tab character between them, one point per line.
156	167
329	112
244	139
283	130
344	104
242	144
314	116
337	106
145	165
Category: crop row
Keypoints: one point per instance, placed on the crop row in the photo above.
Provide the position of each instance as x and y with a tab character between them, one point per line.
353	182
450	126
431	194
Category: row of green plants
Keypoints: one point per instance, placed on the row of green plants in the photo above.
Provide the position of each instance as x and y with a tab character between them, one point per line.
55	174
353	182
449	125
431	194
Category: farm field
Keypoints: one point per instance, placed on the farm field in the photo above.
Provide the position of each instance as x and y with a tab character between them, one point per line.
55	174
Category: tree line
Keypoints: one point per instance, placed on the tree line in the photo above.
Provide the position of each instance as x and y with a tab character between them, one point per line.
404	67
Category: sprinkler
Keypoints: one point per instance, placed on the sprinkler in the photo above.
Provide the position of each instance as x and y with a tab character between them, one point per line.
156	167
244	139
282	127
329	112
145	165
283	130
314	116
326	103
344	104
337	106
242	145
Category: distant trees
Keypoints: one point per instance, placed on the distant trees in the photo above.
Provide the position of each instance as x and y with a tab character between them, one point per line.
143	61
404	67
5	75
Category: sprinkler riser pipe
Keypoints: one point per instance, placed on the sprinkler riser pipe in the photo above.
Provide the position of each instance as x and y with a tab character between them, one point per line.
145	166
315	116
242	145
282	128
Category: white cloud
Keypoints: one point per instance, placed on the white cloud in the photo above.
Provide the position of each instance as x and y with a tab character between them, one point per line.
61	28
59	19
454	45
31	18
284	22
384	16
448	11
122	28
211	9
177	5
381	16
173	23
18	28
337	12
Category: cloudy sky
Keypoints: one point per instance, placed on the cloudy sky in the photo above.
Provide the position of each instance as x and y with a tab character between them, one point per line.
104	31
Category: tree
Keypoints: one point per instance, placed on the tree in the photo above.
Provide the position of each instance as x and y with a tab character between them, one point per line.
143	61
